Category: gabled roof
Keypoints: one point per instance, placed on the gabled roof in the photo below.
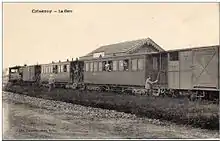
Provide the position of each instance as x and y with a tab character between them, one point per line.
127	46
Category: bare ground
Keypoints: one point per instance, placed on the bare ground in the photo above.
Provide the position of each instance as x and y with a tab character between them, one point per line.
34	118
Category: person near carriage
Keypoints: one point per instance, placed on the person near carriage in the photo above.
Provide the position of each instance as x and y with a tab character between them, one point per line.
149	85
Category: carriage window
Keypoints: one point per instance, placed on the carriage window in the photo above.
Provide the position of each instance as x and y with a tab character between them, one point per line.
174	56
103	65
14	70
125	65
59	68
107	65
87	66
55	69
64	68
45	69
140	64
91	66
100	66
110	66
134	64
67	68
155	63
115	65
48	69
95	66
121	66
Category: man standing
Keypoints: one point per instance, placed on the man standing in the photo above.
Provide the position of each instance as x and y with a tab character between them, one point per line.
149	84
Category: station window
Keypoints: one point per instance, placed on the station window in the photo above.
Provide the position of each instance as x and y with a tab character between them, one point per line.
134	64
64	68
155	63
174	56
140	64
95	66
100	66
91	66
115	65
87	66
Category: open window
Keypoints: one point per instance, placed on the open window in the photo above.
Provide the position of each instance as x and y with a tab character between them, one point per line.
126	65
64	68
107	65
174	56
104	65
55	69
14	70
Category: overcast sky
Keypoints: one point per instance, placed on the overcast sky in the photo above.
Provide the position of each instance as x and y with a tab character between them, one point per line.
35	37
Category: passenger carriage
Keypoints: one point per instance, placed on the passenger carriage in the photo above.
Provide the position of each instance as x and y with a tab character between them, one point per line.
127	62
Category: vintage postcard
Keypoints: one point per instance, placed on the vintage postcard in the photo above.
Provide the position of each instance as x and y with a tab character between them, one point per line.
110	70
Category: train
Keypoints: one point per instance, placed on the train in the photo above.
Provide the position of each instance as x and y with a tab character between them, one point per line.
124	67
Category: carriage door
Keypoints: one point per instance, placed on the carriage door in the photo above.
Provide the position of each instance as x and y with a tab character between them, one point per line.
205	71
173	70
186	69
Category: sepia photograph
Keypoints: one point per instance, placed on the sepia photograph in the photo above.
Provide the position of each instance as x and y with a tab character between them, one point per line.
110	70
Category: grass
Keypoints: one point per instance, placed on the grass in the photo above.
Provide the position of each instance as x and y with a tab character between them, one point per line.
181	111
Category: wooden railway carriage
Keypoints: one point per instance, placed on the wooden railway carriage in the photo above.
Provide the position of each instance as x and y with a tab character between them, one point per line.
31	74
63	72
128	66
59	70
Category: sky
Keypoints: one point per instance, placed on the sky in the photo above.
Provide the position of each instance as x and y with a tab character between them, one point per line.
31	38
